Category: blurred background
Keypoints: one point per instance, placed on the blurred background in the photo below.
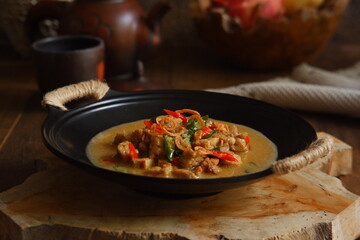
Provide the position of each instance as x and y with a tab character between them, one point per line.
183	53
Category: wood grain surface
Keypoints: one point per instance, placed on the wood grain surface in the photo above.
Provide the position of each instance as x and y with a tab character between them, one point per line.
66	202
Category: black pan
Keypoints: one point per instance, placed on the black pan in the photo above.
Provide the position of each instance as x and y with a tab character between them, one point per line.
67	133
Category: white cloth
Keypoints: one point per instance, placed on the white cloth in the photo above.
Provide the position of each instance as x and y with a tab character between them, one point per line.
308	88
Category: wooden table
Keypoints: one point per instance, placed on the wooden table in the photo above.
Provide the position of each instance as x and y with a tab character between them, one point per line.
183	67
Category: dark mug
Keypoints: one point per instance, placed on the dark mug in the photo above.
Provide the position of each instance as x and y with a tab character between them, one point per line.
65	60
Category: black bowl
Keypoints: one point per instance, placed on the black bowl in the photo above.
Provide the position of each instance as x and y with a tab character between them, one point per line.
67	133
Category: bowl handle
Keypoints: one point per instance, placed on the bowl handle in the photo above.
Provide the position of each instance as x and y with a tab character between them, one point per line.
318	149
59	97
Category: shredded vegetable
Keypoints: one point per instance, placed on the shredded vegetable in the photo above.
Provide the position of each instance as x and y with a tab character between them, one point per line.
181	128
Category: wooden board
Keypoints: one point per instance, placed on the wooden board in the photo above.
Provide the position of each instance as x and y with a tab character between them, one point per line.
63	202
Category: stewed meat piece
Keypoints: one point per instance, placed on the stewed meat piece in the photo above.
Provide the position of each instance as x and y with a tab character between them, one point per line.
182	146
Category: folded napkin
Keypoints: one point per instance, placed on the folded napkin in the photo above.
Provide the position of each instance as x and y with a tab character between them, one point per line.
308	88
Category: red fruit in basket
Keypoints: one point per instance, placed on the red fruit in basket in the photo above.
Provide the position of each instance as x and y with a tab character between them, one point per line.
272	9
246	11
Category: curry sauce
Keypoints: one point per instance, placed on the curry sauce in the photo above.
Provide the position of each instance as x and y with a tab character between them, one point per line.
180	146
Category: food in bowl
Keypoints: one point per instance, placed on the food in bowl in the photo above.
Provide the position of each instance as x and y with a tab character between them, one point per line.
182	144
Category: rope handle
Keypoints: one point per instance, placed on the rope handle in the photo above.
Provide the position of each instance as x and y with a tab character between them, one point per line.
318	149
59	97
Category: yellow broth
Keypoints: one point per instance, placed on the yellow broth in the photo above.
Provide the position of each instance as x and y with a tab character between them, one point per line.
260	156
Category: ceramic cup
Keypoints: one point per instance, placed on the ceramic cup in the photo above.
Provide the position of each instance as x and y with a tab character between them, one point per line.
65	60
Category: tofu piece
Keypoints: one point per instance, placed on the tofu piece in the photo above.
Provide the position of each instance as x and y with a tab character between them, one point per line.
159	171
143	163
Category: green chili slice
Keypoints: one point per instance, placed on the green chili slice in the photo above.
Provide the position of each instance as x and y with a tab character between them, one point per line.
169	146
210	134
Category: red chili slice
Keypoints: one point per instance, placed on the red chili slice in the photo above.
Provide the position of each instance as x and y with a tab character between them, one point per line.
222	155
176	115
149	124
247	140
132	151
206	131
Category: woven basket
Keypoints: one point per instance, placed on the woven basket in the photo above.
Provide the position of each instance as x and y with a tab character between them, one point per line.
270	45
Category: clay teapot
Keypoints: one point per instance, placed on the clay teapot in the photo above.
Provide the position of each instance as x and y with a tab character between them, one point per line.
128	33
